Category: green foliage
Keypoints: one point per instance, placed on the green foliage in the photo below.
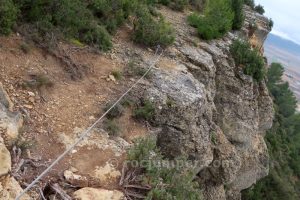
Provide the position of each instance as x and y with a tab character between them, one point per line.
283	96
98	36
271	24
91	22
117	74
250	3
8	16
238	20
145	111
143	149
134	70
115	112
152	32
283	142
167	182
217	21
250	60
112	127
25	47
213	138
178	5
260	9
198	4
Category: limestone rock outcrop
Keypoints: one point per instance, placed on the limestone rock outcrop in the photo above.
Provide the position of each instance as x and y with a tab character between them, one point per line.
209	110
10	123
98	194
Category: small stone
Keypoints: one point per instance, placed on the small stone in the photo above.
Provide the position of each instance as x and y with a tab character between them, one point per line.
73	169
31	99
91	118
111	77
31	94
74	151
28	106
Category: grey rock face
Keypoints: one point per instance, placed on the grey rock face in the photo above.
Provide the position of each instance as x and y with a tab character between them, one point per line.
209	110
181	103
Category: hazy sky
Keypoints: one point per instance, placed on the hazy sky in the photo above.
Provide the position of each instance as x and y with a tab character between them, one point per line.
286	17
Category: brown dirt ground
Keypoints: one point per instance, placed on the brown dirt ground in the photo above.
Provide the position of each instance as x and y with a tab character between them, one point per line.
66	105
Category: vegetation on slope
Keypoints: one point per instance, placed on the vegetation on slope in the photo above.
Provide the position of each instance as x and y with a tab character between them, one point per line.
217	20
249	59
164	179
283	142
92	22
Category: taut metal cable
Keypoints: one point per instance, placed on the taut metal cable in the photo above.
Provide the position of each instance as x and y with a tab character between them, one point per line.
87	132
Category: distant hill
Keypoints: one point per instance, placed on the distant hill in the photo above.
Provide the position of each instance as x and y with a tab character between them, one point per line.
284	51
287	45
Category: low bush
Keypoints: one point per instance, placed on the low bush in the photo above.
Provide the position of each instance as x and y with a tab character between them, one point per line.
143	149
198	4
97	36
115	112
151	32
38	81
178	5
250	3
92	22
117	74
217	20
112	127
249	59
135	70
8	16
25	47
260	9
145	111
238	20
167	182
271	24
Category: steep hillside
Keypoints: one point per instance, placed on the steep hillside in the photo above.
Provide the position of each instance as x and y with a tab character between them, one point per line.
200	103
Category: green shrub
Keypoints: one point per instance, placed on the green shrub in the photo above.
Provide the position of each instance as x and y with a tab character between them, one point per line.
271	24
143	149
216	22
168	182
97	36
179	4
115	112
260	9
117	74
238	20
8	16
25	47
250	60
112	127
152	32
134	70
198	4
250	3
145	111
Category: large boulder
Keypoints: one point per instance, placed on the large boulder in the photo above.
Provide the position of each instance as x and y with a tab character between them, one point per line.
5	159
10	189
10	122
